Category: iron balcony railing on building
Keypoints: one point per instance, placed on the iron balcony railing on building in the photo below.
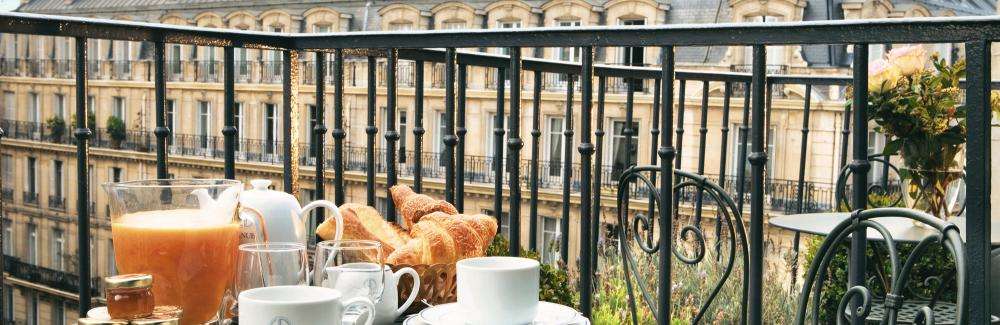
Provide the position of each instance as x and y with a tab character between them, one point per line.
59	280
7	194
271	71
10	67
666	151
63	68
175	70
95	69
57	202
207	70
29	197
122	69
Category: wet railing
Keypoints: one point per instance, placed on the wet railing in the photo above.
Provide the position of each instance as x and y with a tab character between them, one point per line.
666	152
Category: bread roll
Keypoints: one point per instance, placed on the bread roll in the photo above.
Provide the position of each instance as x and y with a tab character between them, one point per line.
468	242
431	244
413	206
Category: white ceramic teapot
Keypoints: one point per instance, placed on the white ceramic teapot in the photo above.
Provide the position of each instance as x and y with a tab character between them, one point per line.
284	219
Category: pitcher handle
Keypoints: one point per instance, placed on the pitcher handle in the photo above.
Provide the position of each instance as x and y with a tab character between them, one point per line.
364	302
413	292
334	212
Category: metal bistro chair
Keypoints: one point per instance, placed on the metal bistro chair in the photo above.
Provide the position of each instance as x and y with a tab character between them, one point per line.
895	307
887	186
695	190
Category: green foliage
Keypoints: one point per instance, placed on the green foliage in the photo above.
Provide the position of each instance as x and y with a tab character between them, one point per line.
91	120
116	128
554	286
57	127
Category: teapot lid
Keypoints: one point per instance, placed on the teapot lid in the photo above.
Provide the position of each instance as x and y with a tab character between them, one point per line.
265	199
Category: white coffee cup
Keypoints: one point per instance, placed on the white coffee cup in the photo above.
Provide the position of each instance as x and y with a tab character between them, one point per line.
388	309
295	305
498	290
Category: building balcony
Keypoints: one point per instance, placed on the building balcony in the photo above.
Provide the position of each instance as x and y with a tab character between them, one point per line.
57	203
63	281
7	194
208	71
30	198
122	69
10	67
271	72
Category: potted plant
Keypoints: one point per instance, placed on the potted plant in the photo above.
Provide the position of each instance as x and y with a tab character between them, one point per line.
91	121
116	130
57	128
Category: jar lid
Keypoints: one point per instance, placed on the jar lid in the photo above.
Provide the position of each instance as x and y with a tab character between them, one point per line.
156	321
95	321
137	280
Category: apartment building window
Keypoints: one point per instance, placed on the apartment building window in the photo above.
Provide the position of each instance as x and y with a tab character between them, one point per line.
57	178
115	174
9	105
119	108
505	25
568	53
32	244
325	28
633	56
734	154
91	105
775	54
504	222
32	311
276	56
33	108
8	238
59	106
493	138
401	25
550	240
623	156
454	24
238	116
204	123
311	139
7	162
58	246
31	177
401	128
555	139
171	107
8	313
240	56
175	59
439	146
270	128
58	313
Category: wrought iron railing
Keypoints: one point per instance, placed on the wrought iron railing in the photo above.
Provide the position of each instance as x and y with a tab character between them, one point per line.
419	46
29	197
58	280
7	194
57	202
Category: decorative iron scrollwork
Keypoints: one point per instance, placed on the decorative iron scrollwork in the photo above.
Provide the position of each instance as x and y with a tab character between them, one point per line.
640	229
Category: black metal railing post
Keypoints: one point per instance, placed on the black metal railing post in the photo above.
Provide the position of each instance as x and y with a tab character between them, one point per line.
567	172
586	151
859	173
744	136
758	159
514	145
3	287
418	126
595	222
497	161
536	134
723	148
319	135
229	130
449	121
161	131
82	134
702	143
802	178
371	130
391	133
979	173
460	131
666	153
338	132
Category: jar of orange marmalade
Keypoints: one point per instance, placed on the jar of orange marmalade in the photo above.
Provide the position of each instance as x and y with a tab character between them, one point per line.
129	296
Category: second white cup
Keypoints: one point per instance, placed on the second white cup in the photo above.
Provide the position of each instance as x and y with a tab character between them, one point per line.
498	290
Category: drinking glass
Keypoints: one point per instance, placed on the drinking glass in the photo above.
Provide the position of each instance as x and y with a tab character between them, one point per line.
185	233
354	267
269	264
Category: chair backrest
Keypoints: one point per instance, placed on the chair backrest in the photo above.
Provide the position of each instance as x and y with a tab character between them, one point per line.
729	229
887	184
945	234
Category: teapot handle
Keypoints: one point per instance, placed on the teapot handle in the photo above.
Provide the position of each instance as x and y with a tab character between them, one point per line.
413	292
334	212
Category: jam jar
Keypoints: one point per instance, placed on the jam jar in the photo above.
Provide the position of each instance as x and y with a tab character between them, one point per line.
129	296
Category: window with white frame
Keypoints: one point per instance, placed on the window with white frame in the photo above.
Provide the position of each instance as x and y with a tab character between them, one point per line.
171	108
876	143
57	179
119	108
9	105
550	240
276	56
8	238
204	123
322	28
401	25
34	107
58	247
33	309
31	244
439	146
454	24
775	54
568	53
734	153
270	128
238	116
622	156
634	56
7	162
311	139
91	109
59	106
554	131
175	59
58	313
8	310
506	24
401	128
31	175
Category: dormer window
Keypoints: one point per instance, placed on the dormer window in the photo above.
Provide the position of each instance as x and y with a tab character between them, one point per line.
454	24
322	28
401	25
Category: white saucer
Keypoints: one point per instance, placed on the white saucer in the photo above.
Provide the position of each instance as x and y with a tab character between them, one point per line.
451	314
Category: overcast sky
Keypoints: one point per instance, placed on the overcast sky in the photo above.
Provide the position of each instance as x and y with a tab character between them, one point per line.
8	5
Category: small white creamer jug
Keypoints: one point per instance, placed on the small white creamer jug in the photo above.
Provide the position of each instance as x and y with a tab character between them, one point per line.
386	310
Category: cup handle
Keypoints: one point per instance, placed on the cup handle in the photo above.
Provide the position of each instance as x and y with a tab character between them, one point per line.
413	293
364	302
334	212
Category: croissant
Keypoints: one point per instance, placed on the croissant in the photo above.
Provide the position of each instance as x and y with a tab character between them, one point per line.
413	206
440	238
364	222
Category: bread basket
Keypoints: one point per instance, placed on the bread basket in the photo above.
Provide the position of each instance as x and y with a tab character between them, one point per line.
437	285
